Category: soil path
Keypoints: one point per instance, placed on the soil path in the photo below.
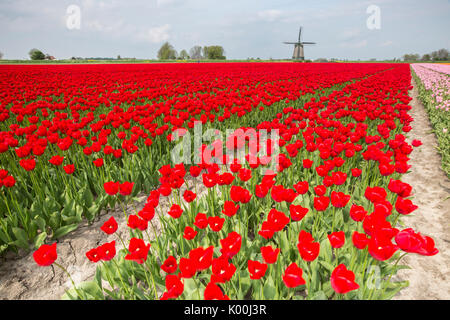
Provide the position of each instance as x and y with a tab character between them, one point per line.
429	277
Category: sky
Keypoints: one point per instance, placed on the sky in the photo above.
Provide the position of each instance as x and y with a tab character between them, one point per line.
342	29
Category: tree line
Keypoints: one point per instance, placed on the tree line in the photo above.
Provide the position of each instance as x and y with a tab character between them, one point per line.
168	52
439	55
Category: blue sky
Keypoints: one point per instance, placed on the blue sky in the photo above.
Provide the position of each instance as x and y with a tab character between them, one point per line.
245	28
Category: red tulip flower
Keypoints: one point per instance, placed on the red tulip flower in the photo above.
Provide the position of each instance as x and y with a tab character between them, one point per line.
339	199
187	268
138	250
297	212
93	255
110	226
201	221
404	206
69	169
269	254
230	208
45	255
170	265
111	187
301	187
321	203
56	160
222	270
213	292
256	269
201	257
189	196
360	240
343	280
175	211
357	213
410	241
107	250
126	188
293	276
231	244
189	233
337	239
174	287
216	223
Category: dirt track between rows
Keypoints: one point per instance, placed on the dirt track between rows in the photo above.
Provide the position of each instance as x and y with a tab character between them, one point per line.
429	277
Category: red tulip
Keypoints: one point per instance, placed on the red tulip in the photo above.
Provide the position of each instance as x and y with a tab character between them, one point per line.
69	169
357	213
175	211
213	292
138	250
321	203
189	233
256	269
337	239
126	188
216	223
404	206
292	276
111	187
170	265
343	280
360	240
189	196
110	226
45	255
107	251
270	254
201	221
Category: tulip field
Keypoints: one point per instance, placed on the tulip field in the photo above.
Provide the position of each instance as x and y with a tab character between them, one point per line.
434	84
298	189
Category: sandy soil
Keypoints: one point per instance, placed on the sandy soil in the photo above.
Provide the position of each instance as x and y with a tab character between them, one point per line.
429	277
21	278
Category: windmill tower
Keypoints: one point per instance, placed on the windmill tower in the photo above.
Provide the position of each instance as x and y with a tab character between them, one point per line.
299	53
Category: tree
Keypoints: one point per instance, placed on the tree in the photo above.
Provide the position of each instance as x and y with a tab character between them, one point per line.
183	55
167	52
214	52
118	57
36	54
443	54
426	57
196	52
1	55
205	52
411	57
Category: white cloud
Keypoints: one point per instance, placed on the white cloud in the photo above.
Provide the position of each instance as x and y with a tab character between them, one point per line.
156	34
269	15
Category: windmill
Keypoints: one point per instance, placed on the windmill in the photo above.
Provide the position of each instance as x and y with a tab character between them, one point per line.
299	53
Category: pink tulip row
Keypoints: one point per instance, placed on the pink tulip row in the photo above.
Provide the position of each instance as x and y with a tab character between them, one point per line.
435	77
